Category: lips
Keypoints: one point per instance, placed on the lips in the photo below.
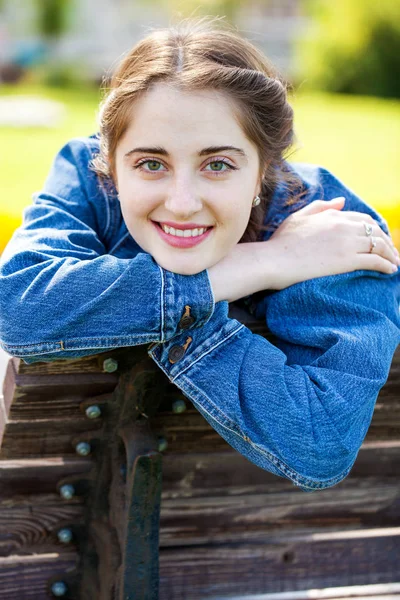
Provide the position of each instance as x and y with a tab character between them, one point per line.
182	239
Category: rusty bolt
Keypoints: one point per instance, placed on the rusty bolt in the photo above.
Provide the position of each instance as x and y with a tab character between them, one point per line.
93	412
83	448
179	406
67	491
64	535
110	365
59	588
162	444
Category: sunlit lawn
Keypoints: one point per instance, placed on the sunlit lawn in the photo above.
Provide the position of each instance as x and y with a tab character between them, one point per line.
357	138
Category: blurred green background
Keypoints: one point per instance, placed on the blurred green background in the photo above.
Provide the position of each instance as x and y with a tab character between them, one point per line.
342	59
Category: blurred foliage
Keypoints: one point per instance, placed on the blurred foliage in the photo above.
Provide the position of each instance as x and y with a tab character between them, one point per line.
61	75
353	47
53	17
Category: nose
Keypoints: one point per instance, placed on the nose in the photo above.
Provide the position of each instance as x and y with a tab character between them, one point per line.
182	200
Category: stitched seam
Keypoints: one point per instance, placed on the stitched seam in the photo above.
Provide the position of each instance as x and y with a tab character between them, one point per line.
90	158
163	300
225	338
211	299
82	340
107	201
119	243
283	467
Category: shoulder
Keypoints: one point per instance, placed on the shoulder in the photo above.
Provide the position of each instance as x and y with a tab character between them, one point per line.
314	182
81	150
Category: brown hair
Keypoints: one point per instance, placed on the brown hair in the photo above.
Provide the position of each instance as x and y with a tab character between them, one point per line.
195	55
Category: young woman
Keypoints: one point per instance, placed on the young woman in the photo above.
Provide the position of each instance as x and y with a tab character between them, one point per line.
143	234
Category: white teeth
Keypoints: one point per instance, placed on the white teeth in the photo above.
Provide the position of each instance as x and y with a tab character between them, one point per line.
183	232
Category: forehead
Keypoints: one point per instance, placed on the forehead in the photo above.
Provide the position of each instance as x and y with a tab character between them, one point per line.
166	114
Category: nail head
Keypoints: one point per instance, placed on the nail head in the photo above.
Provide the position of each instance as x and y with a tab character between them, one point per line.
59	588
83	448
67	491
65	535
179	406
110	365
93	412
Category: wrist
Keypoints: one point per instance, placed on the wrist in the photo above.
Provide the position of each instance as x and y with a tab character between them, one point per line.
247	269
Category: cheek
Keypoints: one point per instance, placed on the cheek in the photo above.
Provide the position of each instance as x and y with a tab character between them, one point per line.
136	202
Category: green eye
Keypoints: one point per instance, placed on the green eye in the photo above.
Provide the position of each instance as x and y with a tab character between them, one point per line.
218	164
153	165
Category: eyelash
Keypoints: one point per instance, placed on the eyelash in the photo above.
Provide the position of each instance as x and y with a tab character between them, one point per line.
223	161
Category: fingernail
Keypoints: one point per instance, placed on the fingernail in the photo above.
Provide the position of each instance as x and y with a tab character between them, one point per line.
339	198
394	268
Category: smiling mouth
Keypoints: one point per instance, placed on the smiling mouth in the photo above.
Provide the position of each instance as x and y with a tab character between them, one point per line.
182	238
182	233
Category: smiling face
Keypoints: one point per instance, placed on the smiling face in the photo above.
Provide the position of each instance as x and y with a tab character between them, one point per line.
186	177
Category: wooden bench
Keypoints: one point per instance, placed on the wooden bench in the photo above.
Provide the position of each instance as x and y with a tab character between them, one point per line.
114	487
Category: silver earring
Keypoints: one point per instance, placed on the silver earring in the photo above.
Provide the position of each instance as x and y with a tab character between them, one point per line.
256	201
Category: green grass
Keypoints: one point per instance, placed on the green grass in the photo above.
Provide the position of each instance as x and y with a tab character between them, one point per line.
358	138
27	152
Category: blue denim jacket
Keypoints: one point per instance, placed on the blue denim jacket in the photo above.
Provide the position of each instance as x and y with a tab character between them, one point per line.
73	282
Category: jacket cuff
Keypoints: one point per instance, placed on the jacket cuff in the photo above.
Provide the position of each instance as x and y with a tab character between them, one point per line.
177	355
187	303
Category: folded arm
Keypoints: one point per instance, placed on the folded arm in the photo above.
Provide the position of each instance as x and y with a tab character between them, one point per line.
62	295
299	408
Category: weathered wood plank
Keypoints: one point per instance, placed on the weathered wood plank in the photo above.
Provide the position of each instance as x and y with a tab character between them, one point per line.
252	517
30	525
240	515
47	438
185	433
384	591
30	476
232	570
28	577
229	473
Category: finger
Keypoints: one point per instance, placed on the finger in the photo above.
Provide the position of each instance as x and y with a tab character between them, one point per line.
381	248
377	231
374	262
365	218
320	205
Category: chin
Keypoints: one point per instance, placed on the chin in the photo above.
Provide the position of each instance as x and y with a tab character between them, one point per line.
181	269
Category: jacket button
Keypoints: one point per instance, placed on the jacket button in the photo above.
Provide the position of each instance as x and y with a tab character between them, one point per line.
187	320
177	352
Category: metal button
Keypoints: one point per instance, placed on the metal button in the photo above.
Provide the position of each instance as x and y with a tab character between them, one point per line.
187	320
177	352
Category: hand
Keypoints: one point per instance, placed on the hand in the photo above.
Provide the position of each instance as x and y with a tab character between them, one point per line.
314	241
320	239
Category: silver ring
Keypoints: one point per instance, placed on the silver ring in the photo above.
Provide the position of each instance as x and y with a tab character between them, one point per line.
368	229
373	243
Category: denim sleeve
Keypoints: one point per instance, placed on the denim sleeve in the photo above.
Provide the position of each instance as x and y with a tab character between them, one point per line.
63	296
301	407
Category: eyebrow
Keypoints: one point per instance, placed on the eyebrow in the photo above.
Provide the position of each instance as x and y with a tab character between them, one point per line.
203	152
